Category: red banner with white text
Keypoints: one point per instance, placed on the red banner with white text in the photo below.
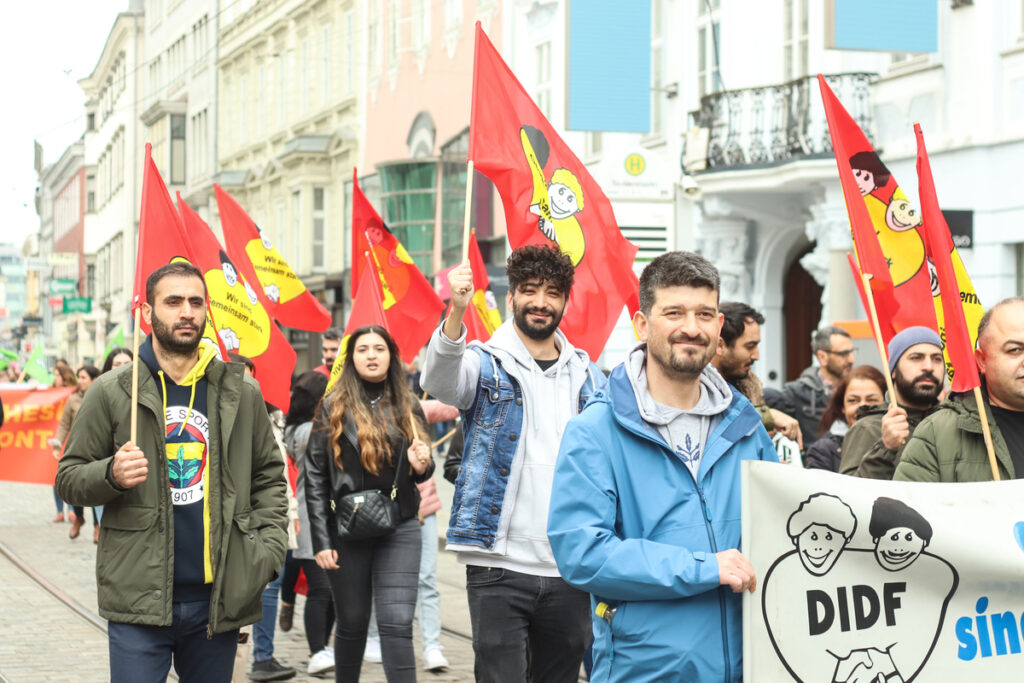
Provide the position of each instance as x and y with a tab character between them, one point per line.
31	417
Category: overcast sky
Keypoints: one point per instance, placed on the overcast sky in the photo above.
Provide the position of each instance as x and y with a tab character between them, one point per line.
47	47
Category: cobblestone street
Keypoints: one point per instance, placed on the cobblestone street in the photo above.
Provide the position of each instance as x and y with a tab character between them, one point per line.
41	639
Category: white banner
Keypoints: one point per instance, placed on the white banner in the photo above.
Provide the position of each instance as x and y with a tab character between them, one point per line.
862	580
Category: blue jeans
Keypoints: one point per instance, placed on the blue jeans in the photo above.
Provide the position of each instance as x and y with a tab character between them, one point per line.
58	501
428	599
526	627
142	654
263	630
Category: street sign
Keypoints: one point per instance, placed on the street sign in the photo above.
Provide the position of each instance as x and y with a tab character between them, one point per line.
58	286
77	304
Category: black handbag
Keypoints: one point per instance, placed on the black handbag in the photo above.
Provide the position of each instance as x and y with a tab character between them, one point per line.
366	514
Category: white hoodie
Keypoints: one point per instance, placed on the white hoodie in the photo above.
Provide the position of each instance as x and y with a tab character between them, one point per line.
550	399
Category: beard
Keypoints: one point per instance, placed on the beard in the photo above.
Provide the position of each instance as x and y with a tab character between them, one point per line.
733	370
537	332
170	343
912	393
681	364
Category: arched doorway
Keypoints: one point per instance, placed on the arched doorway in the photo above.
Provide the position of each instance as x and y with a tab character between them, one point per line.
801	310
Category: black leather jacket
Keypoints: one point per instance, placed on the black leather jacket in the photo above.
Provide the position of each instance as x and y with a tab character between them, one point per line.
326	483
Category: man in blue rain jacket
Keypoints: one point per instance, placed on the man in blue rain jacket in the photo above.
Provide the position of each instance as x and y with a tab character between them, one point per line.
645	506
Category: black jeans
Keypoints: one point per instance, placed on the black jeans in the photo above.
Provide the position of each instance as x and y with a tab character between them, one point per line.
384	569
289	575
142	654
319	612
525	627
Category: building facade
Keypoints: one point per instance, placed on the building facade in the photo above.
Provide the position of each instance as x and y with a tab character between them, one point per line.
288	131
114	151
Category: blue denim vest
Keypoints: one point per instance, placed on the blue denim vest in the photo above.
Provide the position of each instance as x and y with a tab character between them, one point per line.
492	426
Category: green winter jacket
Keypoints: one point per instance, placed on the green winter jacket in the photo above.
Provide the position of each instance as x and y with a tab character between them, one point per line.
864	454
246	489
948	446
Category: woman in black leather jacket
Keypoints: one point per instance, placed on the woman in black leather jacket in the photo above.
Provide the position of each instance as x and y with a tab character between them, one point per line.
365	438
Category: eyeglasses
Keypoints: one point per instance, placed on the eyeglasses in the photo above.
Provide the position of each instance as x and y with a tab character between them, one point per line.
842	354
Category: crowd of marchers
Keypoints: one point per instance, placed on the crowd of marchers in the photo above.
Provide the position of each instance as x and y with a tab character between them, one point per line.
597	515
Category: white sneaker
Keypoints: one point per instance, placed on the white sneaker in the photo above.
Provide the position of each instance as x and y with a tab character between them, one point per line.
435	661
320	662
372	651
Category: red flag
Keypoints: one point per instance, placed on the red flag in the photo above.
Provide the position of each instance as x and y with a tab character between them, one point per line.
283	293
858	281
411	305
367	309
242	323
939	246
888	245
550	198
482	318
161	235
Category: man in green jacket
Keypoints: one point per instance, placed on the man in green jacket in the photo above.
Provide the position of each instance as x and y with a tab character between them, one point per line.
874	444
949	446
196	512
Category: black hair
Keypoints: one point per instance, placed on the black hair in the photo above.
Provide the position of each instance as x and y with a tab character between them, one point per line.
306	394
736	315
676	269
91	370
544	263
174	268
239	358
332	333
869	161
108	362
889	513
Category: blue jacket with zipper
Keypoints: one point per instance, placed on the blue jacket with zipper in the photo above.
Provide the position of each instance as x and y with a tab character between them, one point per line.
633	527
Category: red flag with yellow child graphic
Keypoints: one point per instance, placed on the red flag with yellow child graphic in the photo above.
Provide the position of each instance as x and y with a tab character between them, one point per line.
411	305
896	228
550	198
286	297
243	324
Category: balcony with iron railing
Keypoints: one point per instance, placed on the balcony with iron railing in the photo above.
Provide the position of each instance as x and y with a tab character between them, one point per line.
771	125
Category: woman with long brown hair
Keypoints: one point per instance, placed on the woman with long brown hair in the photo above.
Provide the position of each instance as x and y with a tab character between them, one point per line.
366	438
865	385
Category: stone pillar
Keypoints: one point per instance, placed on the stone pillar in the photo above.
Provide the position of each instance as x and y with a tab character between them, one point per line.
829	228
724	238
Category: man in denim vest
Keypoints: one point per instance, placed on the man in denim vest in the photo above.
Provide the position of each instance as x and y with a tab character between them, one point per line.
516	393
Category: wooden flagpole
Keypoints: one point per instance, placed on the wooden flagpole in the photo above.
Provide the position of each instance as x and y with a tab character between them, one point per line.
469	208
987	433
134	425
876	328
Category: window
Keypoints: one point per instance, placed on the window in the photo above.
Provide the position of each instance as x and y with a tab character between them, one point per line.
708	75
261	111
200	38
657	68
325	65
199	144
350	52
452	14
319	228
422	38
282	91
304	77
243	109
296	236
795	52
393	34
372	36
282	229
593	142
227	130
543	54
177	149
90	193
90	121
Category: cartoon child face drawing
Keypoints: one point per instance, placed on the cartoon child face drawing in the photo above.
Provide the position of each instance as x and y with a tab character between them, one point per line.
230	276
865	180
820	529
265	240
819	548
249	292
901	215
900	533
563	200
